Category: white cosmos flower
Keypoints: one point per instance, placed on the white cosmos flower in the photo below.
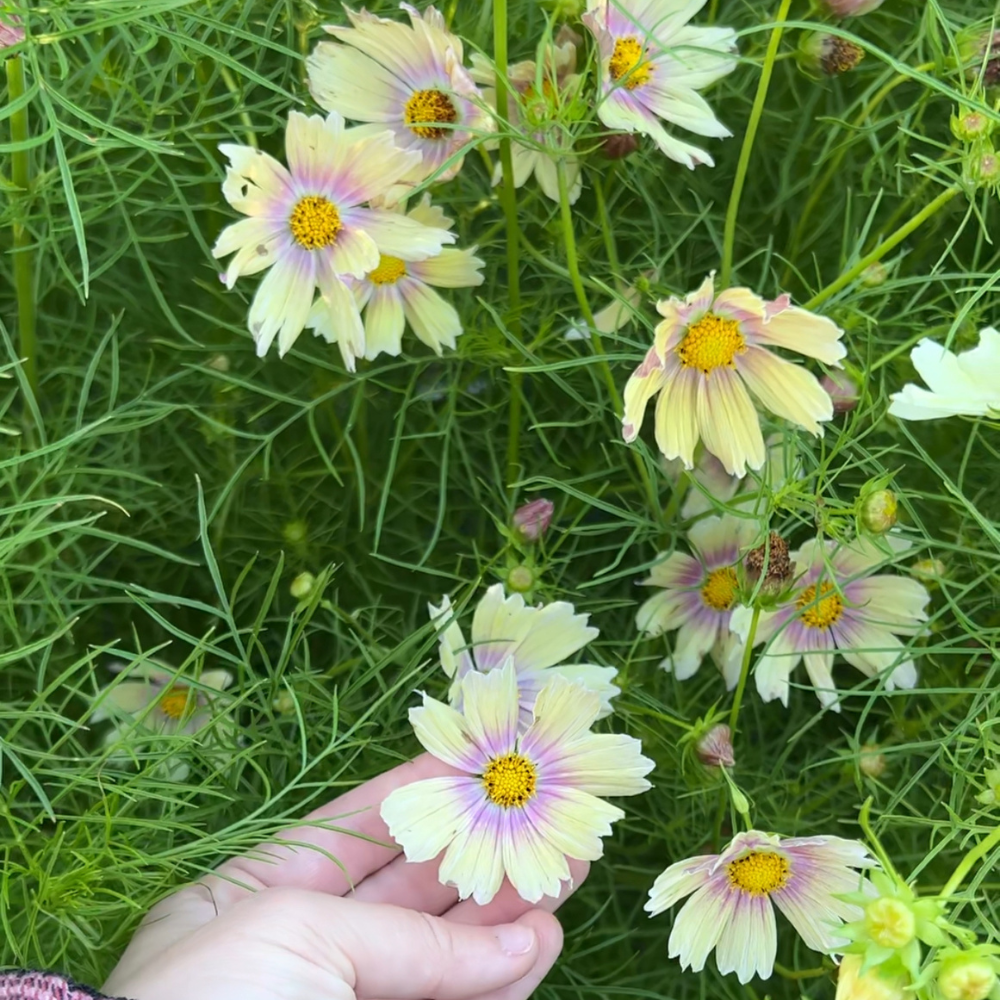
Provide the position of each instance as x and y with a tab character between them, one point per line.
306	224
524	802
535	640
409	78
397	292
966	384
731	910
653	63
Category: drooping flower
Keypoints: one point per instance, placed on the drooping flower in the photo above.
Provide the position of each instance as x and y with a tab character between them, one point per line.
534	639
731	909
154	700
409	78
619	311
697	597
966	384
839	606
524	803
707	352
306	224
652	65
397	292
540	94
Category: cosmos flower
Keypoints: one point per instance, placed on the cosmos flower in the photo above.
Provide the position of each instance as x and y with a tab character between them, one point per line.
534	639
697	597
731	910
306	224
966	384
155	701
652	65
523	804
397	292
409	78
707	352
839	606
540	93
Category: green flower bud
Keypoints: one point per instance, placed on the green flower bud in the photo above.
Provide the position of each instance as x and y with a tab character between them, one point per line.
520	579
970	126
295	532
879	510
302	586
966	977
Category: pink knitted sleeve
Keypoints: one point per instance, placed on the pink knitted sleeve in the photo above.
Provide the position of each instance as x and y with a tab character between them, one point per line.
23	985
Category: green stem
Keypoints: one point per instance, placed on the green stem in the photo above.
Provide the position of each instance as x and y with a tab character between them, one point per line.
889	243
744	672
729	238
508	200
24	284
979	851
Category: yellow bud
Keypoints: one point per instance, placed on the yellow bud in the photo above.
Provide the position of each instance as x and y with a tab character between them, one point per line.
890	922
966	978
870	986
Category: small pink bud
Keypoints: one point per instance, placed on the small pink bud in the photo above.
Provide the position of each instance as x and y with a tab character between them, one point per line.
532	520
11	32
841	388
853	8
715	748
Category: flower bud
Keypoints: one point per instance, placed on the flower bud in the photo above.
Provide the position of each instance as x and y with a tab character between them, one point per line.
569	10
715	748
928	570
11	32
620	145
532	520
829	54
890	922
874	274
219	363
970	126
871	762
842	389
302	586
295	532
990	796
966	977
520	579
872	985
982	168
773	555
979	52
283	703
852	8
879	511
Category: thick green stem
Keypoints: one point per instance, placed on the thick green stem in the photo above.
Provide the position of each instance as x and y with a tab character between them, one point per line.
744	672
964	866
729	237
889	243
24	282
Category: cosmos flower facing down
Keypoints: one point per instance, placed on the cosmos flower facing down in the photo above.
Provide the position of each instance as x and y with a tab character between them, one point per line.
653	63
731	910
697	598
708	351
838	606
523	804
540	92
534	641
409	78
153	700
397	292
306	224
965	384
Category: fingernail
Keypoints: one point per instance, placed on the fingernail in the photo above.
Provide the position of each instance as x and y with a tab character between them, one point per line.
515	939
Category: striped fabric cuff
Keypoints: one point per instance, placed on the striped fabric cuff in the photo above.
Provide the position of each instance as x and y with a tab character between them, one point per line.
21	984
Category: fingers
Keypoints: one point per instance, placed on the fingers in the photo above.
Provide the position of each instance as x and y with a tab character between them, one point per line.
550	941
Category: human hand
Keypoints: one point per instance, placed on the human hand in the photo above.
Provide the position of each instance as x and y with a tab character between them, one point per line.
288	922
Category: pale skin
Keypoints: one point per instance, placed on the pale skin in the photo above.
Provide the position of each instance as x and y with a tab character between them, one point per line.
289	923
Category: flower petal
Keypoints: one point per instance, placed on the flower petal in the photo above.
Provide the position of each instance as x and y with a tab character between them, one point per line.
786	389
444	732
728	422
384	323
435	321
799	330
424	817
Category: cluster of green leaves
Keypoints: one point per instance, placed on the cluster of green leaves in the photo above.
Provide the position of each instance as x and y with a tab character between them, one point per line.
163	486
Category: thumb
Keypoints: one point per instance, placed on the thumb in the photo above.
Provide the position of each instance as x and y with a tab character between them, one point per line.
399	954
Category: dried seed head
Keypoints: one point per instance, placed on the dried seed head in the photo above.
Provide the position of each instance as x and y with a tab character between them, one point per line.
770	561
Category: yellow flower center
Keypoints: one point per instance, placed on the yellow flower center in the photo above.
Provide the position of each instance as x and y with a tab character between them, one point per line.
711	343
388	272
626	61
174	702
720	588
821	612
314	222
429	106
758	873
510	780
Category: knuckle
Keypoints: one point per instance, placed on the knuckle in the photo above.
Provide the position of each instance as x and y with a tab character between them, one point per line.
438	955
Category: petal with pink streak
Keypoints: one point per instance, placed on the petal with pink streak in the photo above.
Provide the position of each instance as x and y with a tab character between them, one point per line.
701	922
798	330
749	942
787	390
676	418
644	383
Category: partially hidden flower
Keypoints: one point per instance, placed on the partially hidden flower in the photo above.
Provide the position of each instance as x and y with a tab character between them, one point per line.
732	912
873	984
696	598
154	700
968	974
966	384
535	640
709	354
540	94
613	316
409	78
397	292
715	748
11	31
853	8
531	520
307	224
652	65
839	605
842	389
831	55
525	800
